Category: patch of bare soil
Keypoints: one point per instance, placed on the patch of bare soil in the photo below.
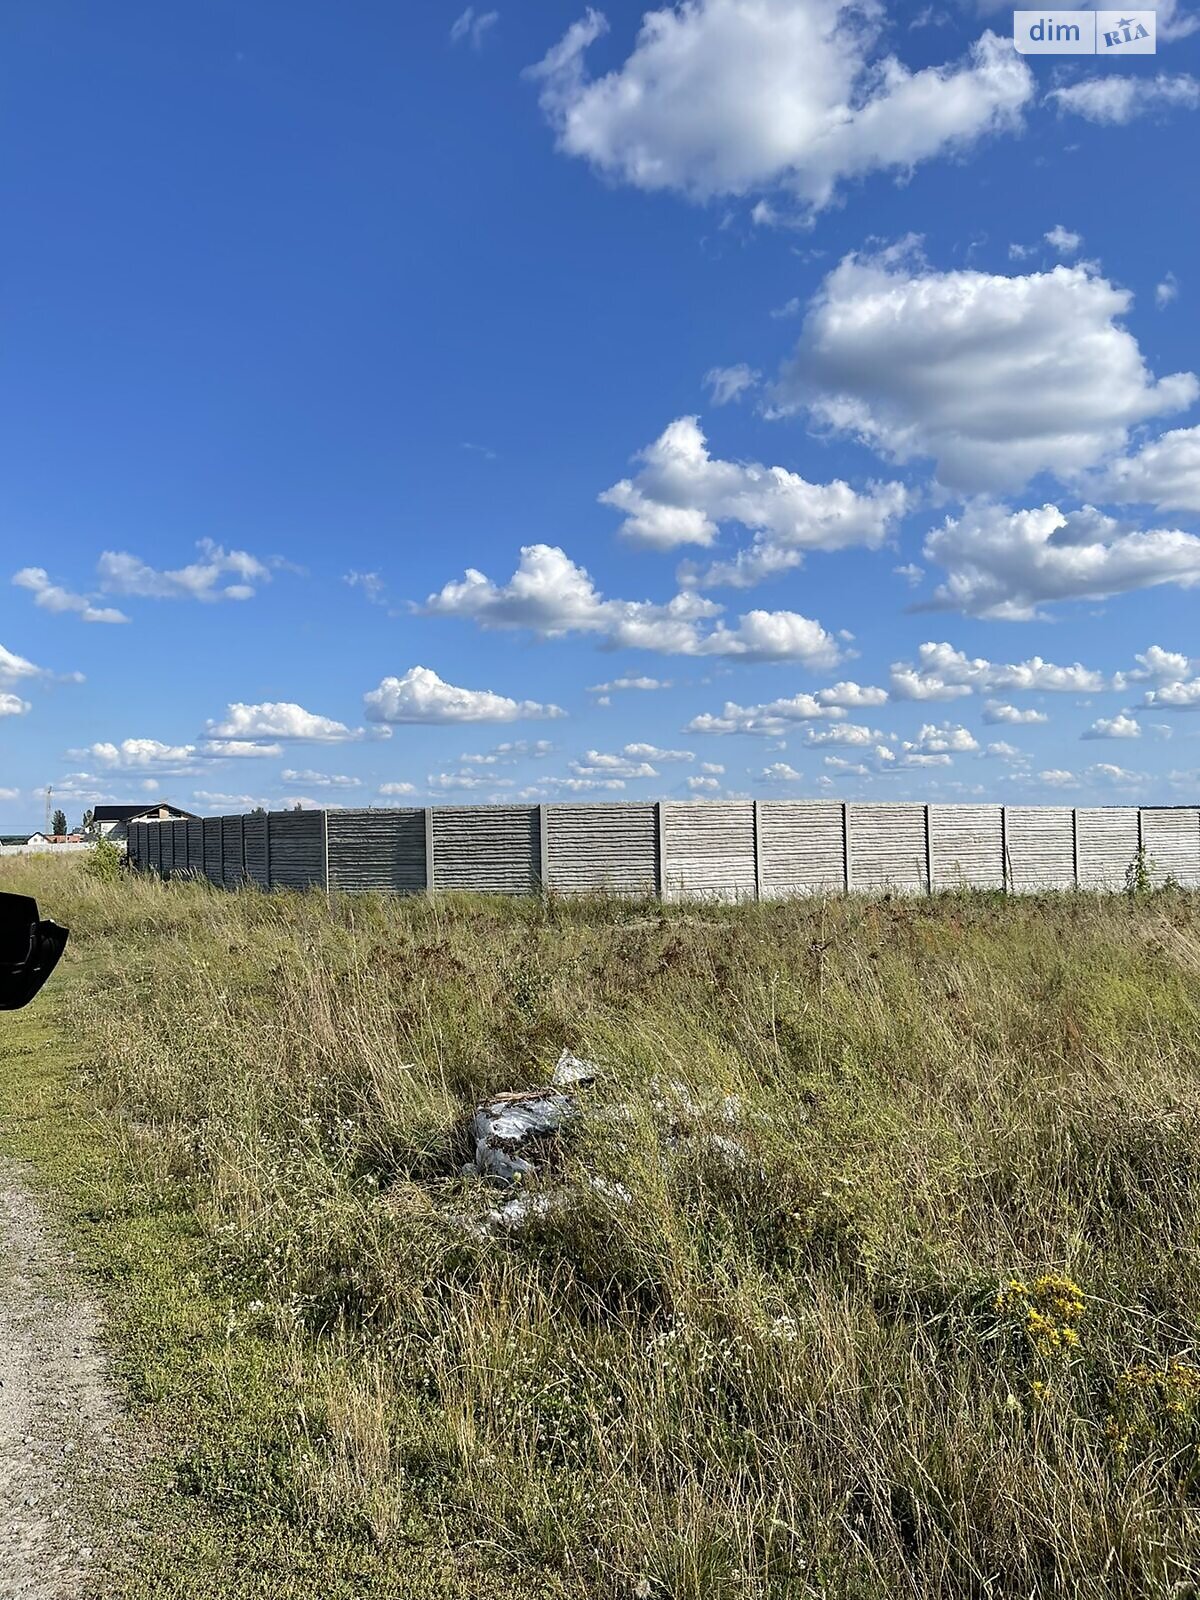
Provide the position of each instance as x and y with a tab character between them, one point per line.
58	1415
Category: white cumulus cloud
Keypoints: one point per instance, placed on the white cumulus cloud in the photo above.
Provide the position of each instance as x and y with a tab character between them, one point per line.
1063	240
206	579
1008	564
552	596
682	495
421	696
52	597
320	780
772	719
279	719
996	378
1164	473
1116	99
730	383
999	711
732	96
942	672
1122	726
143	755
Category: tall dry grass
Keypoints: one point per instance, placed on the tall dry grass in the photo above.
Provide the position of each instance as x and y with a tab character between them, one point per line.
779	1352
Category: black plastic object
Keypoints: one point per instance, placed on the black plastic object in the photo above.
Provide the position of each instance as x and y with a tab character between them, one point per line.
29	950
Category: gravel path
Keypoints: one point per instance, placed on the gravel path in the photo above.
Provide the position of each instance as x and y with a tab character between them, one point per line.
57	1413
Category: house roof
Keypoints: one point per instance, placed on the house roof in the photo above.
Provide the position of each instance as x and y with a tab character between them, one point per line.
132	813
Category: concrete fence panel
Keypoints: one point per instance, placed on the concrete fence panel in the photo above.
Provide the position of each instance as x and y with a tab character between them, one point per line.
708	849
1040	841
1106	841
377	850
296	840
887	848
1171	839
233	858
254	849
602	848
487	849
212	850
801	847
195	848
966	847
720	849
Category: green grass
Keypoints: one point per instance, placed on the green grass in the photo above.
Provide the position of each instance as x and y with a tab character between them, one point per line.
793	1366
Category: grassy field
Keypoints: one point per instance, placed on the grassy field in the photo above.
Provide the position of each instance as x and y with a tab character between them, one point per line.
890	1286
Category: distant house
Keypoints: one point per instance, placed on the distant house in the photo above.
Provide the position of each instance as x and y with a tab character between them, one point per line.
112	822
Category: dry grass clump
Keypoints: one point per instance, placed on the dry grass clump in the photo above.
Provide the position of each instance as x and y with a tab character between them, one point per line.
891	1286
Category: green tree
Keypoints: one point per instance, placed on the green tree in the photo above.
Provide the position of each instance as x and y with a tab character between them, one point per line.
60	822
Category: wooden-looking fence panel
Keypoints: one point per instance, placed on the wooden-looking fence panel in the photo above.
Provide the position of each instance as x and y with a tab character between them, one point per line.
212	850
195	836
886	847
1171	840
708	849
377	850
966	847
1106	842
801	847
488	849
602	848
1040	841
296	841
179	846
254	849
233	859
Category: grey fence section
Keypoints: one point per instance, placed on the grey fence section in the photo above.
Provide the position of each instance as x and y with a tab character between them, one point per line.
887	848
212	850
966	847
233	861
609	849
801	847
725	850
183	860
296	841
255	854
491	849
1039	848
708	848
1106	841
377	850
1171	840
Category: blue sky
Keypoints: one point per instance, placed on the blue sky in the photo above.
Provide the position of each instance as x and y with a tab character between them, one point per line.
820	381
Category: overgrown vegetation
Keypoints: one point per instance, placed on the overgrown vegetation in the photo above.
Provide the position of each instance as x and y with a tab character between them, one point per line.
892	1287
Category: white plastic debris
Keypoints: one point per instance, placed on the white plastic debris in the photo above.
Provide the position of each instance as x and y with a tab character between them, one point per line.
571	1072
511	1131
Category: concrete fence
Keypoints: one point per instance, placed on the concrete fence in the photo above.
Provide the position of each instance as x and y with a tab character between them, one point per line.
44	849
720	849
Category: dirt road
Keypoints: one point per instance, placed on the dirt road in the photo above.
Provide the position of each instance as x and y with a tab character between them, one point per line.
57	1414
